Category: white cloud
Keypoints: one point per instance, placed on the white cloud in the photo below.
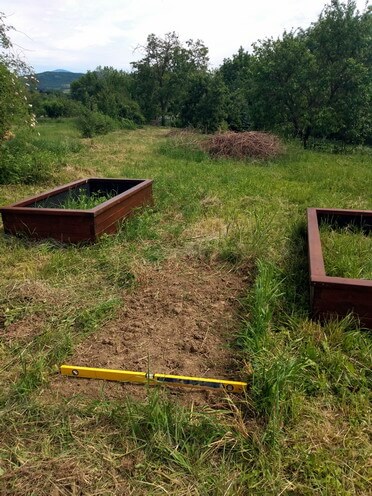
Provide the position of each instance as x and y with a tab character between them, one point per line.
79	35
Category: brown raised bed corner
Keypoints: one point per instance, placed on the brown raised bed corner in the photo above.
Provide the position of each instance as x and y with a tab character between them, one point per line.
337	296
42	216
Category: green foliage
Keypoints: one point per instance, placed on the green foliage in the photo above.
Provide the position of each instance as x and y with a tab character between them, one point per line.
340	42
236	73
108	91
204	106
60	106
326	93
30	158
94	123
282	94
312	83
81	200
8	57
14	107
54	108
161	77
22	161
127	124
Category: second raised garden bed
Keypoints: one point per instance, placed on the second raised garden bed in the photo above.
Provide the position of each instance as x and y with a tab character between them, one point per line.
337	296
69	214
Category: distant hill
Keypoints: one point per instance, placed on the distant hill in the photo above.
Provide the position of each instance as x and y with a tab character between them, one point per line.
58	80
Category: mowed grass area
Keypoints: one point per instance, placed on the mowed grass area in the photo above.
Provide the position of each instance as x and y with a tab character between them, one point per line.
303	427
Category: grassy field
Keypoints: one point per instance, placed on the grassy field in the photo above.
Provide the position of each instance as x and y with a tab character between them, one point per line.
304	426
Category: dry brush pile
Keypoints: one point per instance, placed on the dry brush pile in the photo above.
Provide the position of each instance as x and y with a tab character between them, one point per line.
252	144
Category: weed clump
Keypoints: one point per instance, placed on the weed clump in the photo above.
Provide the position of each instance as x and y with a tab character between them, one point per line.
252	144
83	201
96	123
30	159
23	161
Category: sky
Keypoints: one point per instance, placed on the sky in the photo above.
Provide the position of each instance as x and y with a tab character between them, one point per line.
79	35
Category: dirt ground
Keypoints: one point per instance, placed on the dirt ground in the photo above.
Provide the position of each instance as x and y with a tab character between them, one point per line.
180	319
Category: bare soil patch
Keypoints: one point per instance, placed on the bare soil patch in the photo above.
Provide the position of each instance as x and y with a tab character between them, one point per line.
180	319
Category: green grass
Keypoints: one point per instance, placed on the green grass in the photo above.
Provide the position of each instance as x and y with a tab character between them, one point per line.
303	427
34	157
346	252
81	200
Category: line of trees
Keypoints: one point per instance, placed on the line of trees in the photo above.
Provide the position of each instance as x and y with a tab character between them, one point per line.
316	82
309	83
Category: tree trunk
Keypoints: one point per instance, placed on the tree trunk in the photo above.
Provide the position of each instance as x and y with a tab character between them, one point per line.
306	136
163	110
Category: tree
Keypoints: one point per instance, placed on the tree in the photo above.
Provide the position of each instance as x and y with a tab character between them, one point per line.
14	74
317	82
56	105
108	91
341	43
236	73
283	94
204	106
162	75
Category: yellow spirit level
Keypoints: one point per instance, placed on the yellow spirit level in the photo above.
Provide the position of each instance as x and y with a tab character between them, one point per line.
147	378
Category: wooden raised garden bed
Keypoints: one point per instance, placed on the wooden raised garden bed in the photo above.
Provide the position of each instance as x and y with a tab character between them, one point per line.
337	296
69	214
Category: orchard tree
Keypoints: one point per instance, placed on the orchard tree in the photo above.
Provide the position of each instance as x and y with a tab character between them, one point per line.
341	42
163	74
108	91
283	94
317	82
14	78
204	106
236	73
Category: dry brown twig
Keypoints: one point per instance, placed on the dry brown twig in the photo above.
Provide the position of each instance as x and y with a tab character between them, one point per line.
254	144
